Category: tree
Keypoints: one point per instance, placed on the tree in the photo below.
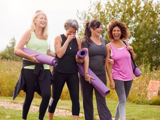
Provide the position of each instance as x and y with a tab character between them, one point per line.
142	18
8	53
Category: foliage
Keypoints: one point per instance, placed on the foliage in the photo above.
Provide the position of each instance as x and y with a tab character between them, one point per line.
10	71
142	18
8	53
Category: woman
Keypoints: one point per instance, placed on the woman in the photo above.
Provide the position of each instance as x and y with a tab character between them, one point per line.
95	60
122	72
66	46
35	39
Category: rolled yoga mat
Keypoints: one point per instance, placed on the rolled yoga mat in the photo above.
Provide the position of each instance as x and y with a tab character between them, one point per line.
81	53
136	70
97	83
42	58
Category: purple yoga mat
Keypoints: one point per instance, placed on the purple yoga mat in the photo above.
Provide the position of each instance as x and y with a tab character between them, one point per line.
42	58
97	83
136	71
81	53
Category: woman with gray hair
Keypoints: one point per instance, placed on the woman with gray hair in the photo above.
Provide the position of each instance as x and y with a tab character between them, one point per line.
66	46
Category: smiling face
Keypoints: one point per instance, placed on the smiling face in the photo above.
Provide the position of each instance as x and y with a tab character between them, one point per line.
70	31
116	33
97	31
41	21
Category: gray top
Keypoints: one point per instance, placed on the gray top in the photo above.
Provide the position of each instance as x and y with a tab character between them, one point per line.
97	54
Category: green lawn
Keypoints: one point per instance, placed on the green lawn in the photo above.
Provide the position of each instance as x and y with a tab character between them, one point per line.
133	111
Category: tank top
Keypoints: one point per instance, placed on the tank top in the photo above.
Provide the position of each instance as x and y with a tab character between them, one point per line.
39	45
67	63
122	69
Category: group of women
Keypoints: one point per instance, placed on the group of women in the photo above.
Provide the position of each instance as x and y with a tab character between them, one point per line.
100	57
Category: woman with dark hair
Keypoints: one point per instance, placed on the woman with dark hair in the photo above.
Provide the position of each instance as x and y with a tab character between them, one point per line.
66	46
122	72
95	60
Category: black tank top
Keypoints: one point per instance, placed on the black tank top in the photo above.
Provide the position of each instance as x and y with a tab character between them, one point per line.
67	63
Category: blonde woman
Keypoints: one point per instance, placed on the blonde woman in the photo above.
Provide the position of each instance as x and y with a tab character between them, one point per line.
34	73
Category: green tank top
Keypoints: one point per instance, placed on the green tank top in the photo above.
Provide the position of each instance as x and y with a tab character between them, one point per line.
39	45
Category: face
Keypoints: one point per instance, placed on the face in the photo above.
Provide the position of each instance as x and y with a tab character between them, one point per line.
116	33
41	20
71	31
97	32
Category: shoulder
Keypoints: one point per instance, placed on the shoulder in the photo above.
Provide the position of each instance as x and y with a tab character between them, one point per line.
108	46
104	40
28	33
58	38
78	40
126	42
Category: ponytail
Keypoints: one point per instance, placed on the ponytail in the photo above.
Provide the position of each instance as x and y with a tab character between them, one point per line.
87	33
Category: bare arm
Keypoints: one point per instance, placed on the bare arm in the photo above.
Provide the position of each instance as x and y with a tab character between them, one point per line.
86	66
79	44
18	50
112	84
60	50
50	54
130	48
79	48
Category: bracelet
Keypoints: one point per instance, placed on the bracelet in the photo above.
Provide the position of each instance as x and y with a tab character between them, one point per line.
85	74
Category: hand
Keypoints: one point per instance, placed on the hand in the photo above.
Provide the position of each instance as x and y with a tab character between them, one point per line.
130	48
111	61
33	58
88	78
79	60
112	85
70	37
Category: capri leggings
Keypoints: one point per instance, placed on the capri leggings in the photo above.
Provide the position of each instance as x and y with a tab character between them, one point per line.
122	89
73	86
30	81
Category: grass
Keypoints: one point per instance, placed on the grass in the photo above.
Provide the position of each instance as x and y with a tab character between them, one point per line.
8	114
133	111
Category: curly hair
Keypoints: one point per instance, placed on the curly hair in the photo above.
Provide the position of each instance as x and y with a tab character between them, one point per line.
125	33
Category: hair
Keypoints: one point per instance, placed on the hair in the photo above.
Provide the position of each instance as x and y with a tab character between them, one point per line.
33	26
93	24
71	23
125	33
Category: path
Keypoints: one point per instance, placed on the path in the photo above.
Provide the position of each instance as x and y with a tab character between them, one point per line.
16	106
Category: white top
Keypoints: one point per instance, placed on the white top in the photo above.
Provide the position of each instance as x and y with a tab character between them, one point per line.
117	48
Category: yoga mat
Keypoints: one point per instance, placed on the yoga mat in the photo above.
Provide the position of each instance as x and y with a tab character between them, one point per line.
97	83
81	53
42	58
136	70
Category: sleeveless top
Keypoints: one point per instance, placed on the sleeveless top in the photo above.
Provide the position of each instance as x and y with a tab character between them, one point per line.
39	45
67	63
122	69
97	54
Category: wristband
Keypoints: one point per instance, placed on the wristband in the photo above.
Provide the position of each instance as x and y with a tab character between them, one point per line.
85	74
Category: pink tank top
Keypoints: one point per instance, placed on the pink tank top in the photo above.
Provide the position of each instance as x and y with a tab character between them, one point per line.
122	69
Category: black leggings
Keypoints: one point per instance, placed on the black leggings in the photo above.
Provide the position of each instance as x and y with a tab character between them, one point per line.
73	86
30	81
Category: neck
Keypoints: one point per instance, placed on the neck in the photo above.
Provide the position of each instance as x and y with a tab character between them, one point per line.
116	41
66	35
38	31
93	37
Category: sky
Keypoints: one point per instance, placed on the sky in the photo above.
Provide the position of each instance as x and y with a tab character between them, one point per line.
16	15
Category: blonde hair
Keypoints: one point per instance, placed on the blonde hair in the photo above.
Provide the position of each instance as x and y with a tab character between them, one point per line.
45	29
